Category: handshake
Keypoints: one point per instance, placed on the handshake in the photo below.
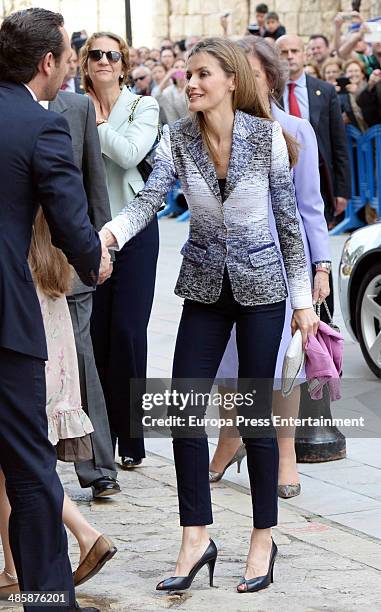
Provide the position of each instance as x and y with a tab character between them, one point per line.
105	268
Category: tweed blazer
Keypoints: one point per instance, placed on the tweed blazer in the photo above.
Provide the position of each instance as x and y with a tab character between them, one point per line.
232	231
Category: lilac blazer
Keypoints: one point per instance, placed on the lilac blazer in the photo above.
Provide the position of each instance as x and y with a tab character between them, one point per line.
312	223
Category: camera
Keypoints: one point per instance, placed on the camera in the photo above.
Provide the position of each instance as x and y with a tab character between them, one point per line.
254	29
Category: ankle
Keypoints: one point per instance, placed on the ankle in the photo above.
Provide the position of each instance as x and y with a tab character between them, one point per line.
261	536
194	536
87	540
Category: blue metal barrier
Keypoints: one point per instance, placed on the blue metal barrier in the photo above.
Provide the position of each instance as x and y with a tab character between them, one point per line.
170	203
365	163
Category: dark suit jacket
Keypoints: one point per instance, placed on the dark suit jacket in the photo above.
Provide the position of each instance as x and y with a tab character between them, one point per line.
37	167
79	112
327	122
78	86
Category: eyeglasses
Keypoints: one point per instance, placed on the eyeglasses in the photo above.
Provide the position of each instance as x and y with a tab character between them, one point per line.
112	56
141	78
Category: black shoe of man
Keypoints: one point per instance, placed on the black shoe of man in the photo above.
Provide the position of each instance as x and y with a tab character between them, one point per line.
105	487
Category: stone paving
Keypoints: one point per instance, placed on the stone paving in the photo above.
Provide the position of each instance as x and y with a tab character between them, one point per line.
321	565
329	537
346	491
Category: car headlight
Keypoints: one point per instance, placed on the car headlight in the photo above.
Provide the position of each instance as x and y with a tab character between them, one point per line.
349	257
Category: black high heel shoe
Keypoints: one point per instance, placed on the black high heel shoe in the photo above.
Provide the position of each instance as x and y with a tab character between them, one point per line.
261	582
180	583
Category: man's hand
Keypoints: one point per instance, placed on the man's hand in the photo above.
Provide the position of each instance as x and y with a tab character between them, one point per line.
105	269
107	238
340	205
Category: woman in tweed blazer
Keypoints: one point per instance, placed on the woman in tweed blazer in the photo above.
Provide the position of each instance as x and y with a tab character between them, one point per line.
228	161
271	75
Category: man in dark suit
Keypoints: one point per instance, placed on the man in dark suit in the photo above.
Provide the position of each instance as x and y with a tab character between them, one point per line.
36	168
317	101
99	473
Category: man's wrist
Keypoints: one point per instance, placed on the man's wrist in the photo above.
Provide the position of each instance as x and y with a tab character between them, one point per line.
107	238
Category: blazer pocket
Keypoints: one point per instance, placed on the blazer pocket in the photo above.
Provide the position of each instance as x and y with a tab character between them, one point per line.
193	252
264	256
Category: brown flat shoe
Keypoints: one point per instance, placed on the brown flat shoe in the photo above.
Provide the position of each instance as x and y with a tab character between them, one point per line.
102	551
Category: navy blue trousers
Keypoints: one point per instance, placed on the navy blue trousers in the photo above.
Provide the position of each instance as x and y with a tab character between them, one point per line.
202	337
121	312
37	536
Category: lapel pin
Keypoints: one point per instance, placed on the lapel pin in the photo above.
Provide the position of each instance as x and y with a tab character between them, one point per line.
318	92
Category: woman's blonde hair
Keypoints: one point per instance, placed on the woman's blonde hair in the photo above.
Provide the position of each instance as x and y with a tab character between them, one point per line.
84	58
49	266
246	96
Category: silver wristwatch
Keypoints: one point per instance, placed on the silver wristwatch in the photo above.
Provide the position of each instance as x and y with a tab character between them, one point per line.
325	266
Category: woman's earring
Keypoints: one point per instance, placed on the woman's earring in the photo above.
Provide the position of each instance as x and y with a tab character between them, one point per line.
272	91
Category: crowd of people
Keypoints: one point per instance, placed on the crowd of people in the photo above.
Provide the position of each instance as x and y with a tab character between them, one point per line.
347	61
82	120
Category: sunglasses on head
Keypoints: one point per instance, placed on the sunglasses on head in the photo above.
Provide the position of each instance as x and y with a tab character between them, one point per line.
112	56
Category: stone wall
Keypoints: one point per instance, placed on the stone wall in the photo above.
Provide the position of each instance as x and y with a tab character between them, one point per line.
180	18
153	20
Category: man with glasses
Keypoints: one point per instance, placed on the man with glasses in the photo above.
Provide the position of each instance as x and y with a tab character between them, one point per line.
142	81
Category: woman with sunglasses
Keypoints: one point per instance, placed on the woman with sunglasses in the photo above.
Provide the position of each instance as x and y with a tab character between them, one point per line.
127	127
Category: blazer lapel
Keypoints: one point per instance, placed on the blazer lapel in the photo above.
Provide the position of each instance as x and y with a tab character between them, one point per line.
314	102
241	153
122	108
58	105
201	158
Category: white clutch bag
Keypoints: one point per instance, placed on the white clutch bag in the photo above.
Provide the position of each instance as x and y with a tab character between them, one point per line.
293	363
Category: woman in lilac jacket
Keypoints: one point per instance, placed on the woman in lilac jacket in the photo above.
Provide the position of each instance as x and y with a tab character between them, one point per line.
271	77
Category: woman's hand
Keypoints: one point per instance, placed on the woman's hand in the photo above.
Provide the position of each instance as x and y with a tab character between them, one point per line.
351	88
346	118
321	287
307	321
374	78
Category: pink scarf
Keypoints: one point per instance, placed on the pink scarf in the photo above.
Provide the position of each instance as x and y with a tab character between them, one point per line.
324	362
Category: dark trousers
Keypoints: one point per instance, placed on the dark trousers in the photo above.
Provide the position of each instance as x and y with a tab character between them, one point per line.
121	311
37	536
203	334
103	463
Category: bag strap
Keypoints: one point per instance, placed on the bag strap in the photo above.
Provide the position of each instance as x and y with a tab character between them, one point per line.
317	310
134	106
